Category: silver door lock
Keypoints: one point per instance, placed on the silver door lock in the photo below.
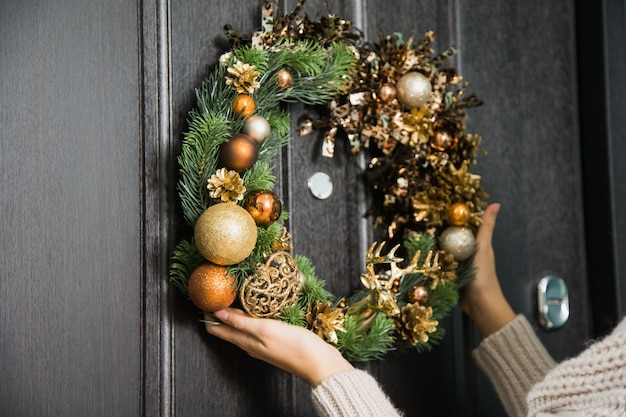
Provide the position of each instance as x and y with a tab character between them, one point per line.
552	302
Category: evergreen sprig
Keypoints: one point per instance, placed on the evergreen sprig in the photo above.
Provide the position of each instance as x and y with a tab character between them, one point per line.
360	346
185	259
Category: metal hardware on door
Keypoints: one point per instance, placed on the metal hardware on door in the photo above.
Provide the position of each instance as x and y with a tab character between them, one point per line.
320	185
552	302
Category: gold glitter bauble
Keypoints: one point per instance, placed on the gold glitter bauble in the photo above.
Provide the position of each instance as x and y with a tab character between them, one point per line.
458	241
264	207
413	90
225	234
418	294
243	105
211	288
257	128
284	78
239	153
459	214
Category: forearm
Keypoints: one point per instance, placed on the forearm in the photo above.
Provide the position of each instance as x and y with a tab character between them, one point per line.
491	313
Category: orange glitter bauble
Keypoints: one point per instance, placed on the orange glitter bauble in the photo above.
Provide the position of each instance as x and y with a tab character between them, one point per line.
211	288
243	105
458	214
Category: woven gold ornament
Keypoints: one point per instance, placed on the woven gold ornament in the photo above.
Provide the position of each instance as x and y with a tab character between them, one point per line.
275	285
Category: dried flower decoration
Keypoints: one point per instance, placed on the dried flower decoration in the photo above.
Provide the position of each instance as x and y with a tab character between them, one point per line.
226	186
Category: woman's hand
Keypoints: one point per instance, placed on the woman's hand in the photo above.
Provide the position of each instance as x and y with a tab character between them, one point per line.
483	299
291	348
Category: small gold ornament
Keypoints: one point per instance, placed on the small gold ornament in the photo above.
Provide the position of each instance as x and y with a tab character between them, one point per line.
239	153
264	207
413	90
257	128
459	214
459	241
415	323
386	93
418	294
325	320
211	288
226	185
441	141
225	234
284	78
275	285
243	78
243	105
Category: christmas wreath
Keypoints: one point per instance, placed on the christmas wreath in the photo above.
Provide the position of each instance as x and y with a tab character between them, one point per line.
395	103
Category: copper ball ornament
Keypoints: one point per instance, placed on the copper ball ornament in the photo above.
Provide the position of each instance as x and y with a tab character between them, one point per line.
441	141
459	214
418	294
256	127
264	206
386	93
211	288
239	153
243	105
225	234
459	241
413	89
284	78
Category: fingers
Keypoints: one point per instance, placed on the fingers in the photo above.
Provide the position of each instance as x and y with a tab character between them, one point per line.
485	231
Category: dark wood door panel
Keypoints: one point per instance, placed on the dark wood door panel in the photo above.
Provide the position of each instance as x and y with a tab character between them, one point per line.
70	257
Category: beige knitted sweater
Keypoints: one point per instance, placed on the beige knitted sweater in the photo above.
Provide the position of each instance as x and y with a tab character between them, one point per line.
522	372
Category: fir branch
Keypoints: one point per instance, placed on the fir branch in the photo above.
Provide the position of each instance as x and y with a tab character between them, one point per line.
198	161
185	259
214	95
360	346
443	298
312	287
423	242
465	272
293	314
259	177
252	56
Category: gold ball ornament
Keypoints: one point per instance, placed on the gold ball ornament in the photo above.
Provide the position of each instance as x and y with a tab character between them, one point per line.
211	288
459	214
257	128
459	241
418	294
284	78
413	89
441	141
264	206
239	153
225	234
386	93
243	105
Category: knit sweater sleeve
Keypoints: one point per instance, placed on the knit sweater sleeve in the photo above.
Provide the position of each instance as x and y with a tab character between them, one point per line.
352	394
513	359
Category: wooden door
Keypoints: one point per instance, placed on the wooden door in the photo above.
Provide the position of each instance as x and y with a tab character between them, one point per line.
94	98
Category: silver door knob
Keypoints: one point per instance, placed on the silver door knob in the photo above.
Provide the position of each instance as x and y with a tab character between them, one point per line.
552	302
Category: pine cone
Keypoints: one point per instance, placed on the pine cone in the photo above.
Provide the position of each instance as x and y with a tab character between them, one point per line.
226	185
415	324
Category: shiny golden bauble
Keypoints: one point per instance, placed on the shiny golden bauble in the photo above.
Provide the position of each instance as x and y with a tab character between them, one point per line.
459	214
386	93
459	241
284	78
264	207
211	288
418	294
441	141
225	234
243	105
239	153
413	90
257	128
